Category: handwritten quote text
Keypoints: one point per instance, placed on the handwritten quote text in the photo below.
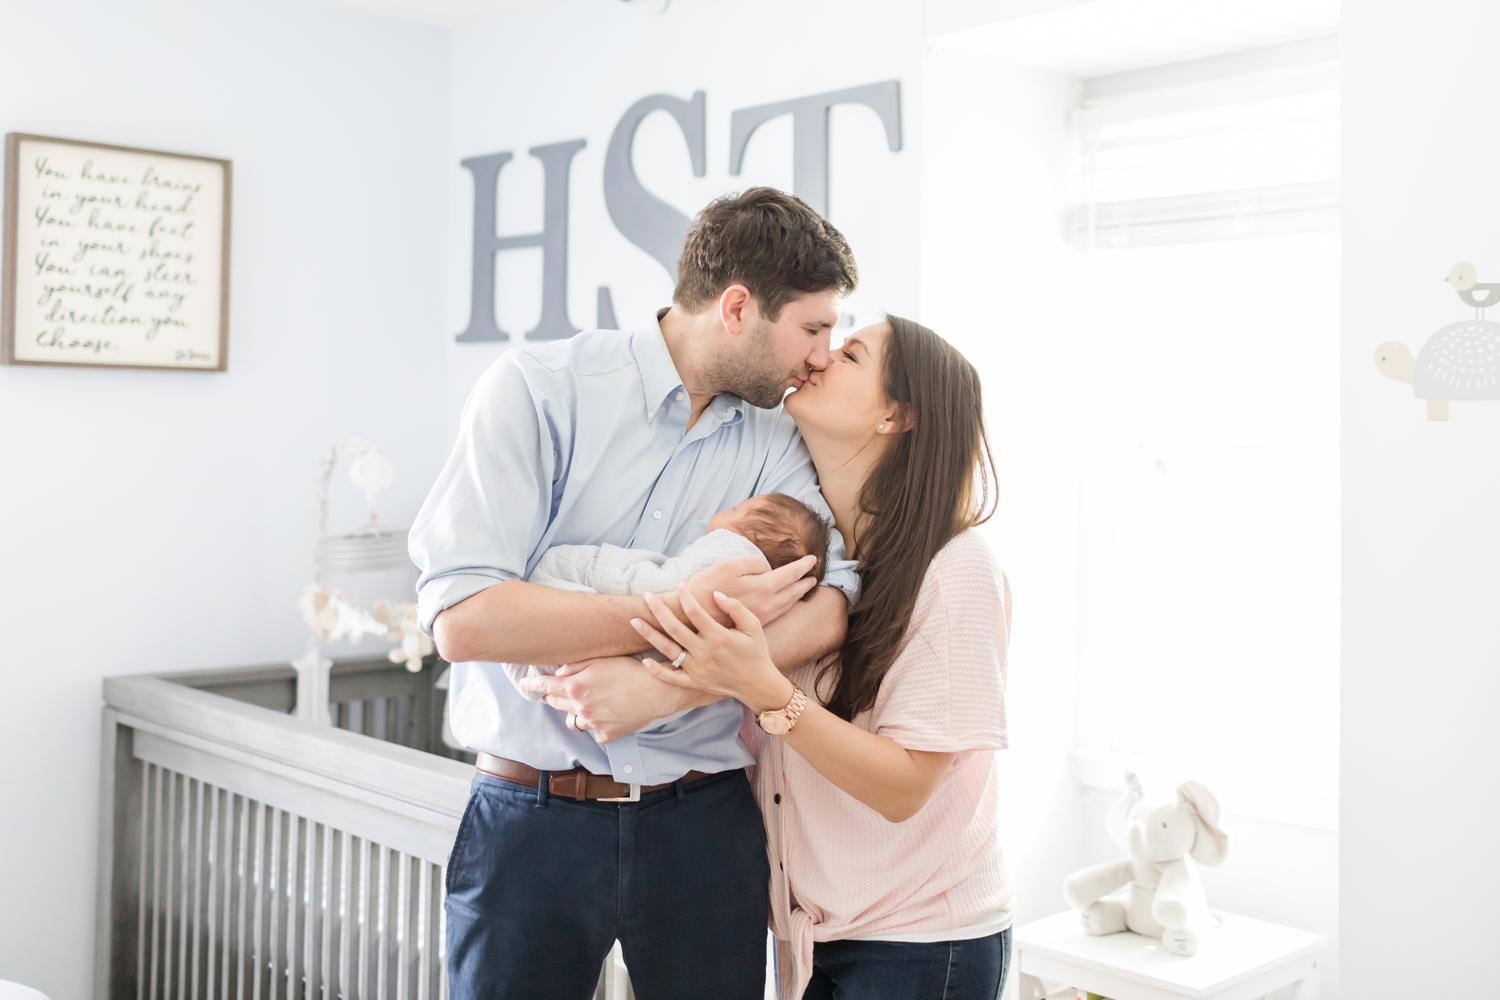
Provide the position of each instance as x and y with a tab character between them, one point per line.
118	257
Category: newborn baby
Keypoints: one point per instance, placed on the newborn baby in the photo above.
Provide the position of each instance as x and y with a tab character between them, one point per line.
779	528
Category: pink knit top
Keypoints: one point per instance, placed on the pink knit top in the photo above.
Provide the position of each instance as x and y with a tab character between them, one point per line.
841	870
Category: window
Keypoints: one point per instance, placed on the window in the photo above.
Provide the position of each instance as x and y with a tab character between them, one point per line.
1204	213
1228	147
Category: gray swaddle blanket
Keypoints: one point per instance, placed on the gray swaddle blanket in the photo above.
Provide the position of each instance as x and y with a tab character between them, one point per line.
609	569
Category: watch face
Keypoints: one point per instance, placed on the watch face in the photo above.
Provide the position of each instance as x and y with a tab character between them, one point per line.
775	724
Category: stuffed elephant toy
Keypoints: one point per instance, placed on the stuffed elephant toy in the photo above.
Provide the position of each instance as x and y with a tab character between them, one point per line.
1165	896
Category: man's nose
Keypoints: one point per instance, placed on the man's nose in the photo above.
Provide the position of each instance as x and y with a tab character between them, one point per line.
817	359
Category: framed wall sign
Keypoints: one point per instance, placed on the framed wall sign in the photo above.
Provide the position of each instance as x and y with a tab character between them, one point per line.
114	257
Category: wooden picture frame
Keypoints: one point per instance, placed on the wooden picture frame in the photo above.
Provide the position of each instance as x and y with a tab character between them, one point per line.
114	257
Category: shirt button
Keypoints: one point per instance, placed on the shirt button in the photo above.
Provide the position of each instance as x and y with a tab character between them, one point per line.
627	768
778	800
679	397
656	514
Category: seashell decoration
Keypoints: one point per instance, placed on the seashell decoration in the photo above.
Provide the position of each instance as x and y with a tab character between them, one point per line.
332	614
411	644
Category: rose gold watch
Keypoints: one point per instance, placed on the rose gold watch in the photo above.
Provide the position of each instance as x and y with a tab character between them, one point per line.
781	721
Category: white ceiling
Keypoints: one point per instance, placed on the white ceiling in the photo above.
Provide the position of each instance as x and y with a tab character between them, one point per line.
1085	38
1108	36
446	13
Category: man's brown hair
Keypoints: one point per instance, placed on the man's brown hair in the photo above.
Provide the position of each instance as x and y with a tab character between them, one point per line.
785	529
767	240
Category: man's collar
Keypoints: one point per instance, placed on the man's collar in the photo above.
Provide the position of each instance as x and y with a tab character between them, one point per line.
659	378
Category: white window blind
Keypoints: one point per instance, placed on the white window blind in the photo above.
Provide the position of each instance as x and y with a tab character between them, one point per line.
1228	147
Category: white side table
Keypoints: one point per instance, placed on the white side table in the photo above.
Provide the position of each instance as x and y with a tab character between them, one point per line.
1243	959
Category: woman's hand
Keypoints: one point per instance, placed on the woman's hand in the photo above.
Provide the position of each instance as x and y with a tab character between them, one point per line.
877	770
612	696
729	662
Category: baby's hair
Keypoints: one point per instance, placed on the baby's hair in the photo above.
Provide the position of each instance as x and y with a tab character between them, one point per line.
785	529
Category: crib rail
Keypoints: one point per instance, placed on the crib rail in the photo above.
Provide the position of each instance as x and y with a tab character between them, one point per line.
372	696
247	855
241	899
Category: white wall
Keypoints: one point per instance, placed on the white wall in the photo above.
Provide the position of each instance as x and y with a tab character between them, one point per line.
569	70
1421	650
159	520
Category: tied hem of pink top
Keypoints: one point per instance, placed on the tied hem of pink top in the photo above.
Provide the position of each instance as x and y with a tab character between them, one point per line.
803	937
794	963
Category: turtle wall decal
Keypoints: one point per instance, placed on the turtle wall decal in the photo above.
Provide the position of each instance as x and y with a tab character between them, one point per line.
1460	360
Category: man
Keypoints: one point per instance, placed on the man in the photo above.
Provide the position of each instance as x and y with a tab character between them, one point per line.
575	838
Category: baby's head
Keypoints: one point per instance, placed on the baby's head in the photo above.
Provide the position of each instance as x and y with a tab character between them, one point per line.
784	529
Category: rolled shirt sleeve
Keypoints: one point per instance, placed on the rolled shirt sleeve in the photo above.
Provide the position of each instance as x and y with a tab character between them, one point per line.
491	502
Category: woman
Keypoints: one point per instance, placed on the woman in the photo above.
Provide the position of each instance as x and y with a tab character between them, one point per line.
879	788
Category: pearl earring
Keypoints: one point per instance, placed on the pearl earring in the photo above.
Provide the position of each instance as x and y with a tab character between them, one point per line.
881	427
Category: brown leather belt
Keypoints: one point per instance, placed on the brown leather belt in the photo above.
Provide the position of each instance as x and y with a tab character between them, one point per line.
577	784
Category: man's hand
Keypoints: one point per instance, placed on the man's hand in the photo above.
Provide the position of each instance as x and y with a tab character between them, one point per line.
612	696
766	594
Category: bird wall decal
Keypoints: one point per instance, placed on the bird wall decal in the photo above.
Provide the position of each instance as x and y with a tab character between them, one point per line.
1460	361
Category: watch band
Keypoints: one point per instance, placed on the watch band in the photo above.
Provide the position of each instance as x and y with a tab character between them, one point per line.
780	721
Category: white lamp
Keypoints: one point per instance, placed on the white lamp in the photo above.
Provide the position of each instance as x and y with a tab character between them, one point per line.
370	548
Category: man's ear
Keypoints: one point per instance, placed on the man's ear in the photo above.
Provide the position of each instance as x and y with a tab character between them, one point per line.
737	309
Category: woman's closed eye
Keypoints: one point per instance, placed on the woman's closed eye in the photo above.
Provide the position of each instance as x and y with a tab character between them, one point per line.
849	355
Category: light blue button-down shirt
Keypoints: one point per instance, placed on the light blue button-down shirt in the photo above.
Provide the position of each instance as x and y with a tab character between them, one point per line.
581	442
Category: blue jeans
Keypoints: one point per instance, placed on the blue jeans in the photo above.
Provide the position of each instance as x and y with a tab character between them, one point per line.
900	970
540	888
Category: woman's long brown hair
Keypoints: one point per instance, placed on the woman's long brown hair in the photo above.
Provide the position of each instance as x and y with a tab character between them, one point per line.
936	480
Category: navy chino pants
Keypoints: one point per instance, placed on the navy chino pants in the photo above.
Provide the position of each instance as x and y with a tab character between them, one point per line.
540	888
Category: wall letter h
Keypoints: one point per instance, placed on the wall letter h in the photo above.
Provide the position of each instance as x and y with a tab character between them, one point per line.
553	239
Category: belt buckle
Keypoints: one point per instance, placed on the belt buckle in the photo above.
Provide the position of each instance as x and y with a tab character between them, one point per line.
634	796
